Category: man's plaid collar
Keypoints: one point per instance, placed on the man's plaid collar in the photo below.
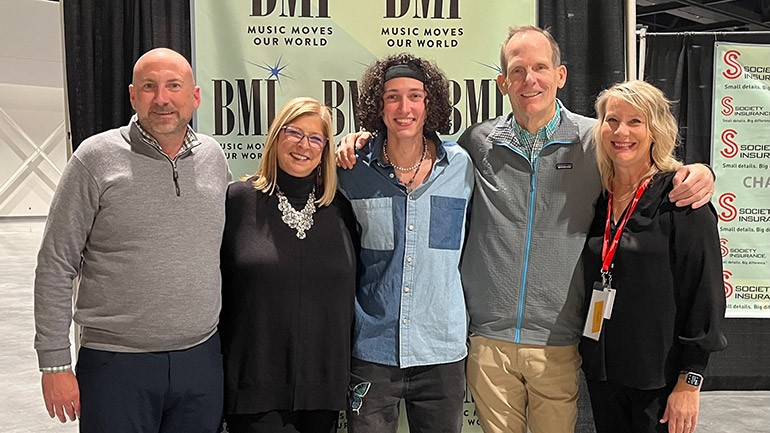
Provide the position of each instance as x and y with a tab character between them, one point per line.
504	131
543	134
189	137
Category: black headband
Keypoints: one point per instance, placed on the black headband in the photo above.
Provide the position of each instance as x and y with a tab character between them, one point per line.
408	71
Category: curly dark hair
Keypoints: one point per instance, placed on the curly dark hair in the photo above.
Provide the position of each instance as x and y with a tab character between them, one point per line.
439	110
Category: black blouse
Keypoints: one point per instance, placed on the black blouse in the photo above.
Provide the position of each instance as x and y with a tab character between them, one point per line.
670	303
287	303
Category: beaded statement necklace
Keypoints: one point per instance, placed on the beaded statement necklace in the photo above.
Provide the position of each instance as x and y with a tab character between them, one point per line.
415	168
300	220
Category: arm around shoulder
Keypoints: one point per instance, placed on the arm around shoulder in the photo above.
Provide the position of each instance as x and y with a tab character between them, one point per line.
693	186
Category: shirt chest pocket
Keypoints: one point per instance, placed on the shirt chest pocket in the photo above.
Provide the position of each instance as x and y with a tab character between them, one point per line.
375	216
446	222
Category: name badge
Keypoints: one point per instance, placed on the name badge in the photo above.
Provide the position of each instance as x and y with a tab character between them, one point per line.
599	309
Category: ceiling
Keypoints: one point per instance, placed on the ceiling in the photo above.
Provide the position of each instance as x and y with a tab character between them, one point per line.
703	15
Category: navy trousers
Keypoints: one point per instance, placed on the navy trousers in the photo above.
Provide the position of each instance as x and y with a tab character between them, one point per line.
158	392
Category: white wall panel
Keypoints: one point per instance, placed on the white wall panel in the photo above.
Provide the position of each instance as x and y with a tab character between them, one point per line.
33	147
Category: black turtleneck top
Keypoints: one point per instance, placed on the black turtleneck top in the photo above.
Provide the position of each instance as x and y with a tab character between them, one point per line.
287	303
296	189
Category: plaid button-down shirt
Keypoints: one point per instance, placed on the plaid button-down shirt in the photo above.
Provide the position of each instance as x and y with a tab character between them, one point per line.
530	144
189	137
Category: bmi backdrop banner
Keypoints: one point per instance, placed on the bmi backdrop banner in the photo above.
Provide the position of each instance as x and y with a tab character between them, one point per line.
741	156
253	56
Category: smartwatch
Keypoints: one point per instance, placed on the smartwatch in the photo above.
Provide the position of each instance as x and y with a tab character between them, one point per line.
692	378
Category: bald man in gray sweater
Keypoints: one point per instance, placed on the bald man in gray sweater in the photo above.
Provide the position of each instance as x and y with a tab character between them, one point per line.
138	218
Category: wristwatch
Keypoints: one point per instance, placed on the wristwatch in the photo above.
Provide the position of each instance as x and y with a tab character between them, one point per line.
692	378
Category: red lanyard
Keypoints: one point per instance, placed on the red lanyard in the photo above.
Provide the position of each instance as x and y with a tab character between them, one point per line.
609	250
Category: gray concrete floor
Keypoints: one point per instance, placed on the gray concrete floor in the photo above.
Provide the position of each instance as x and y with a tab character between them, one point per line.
22	404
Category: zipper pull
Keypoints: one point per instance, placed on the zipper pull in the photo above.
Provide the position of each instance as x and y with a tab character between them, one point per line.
176	178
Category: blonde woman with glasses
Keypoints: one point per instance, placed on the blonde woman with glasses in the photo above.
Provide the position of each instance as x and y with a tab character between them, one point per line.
288	282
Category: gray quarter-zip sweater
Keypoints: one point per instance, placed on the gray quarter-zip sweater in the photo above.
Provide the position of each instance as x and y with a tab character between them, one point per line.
142	232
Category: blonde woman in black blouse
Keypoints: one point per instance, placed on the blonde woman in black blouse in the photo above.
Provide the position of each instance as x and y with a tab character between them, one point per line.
663	265
288	282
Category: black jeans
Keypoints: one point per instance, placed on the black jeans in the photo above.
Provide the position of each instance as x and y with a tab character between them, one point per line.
433	396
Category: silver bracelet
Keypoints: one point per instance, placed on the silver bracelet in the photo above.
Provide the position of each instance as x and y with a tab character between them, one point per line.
57	369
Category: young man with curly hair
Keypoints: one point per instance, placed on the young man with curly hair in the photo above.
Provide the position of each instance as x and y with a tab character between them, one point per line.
410	193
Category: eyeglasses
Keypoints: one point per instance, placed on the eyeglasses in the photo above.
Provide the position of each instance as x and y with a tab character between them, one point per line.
295	135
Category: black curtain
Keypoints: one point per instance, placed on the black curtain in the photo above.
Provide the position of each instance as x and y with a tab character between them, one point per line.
682	66
591	37
102	40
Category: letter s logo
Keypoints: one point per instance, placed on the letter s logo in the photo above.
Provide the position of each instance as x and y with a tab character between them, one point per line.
723	247
731	148
730	212
728	287
727	103
731	59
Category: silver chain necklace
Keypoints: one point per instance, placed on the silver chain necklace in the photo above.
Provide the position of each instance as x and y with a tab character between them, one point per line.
300	220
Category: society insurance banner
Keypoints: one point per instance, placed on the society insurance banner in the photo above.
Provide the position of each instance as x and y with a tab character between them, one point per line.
252	56
741	156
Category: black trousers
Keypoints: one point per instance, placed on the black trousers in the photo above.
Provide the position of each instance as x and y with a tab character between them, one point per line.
618	408
285	421
159	392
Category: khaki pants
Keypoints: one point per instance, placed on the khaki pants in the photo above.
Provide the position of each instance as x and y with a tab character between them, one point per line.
516	386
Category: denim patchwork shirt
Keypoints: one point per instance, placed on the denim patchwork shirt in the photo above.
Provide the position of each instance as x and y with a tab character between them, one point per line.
410	309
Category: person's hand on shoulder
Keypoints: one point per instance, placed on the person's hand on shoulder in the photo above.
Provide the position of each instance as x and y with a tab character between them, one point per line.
693	186
346	150
61	395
